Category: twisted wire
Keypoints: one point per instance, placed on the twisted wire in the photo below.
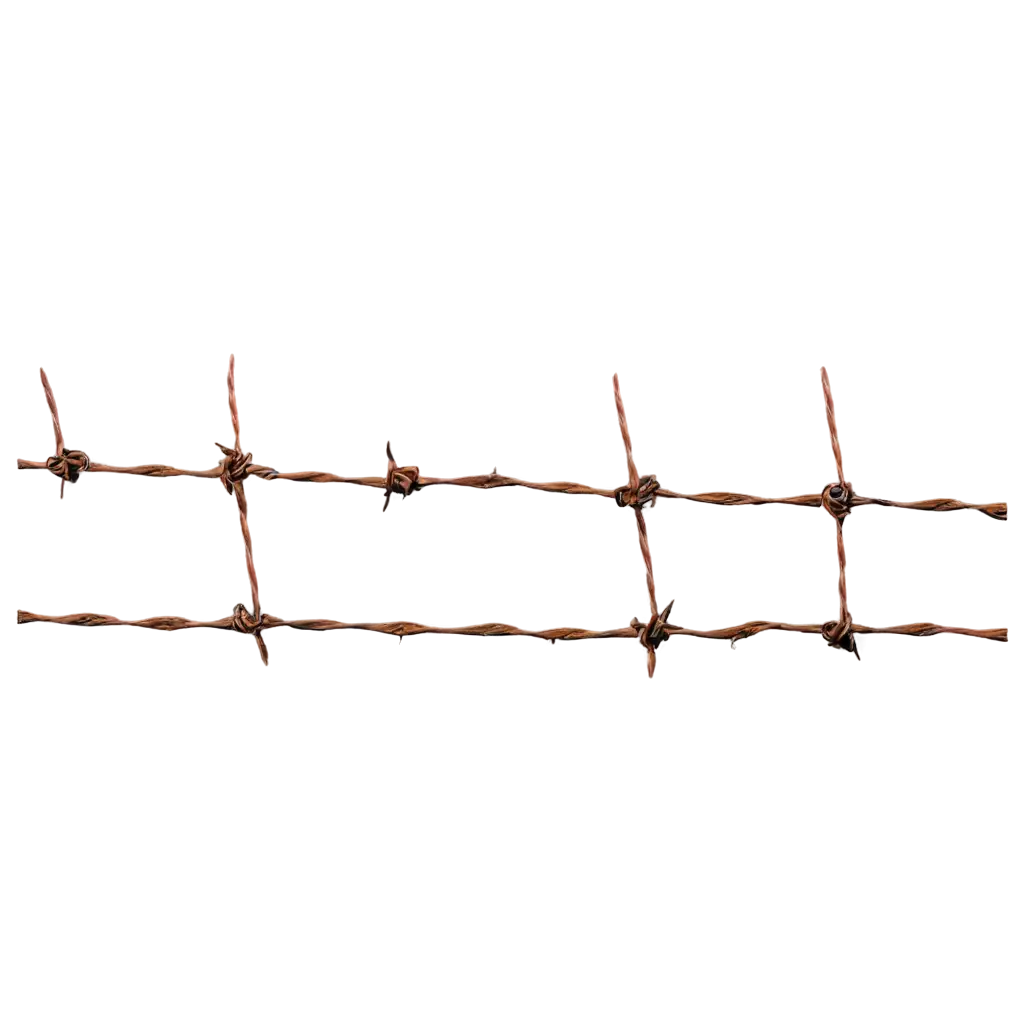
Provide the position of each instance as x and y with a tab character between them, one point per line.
64	463
52	403
494	480
637	492
830	413
401	629
235	471
835	498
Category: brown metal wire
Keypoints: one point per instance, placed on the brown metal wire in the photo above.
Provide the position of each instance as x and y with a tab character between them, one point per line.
170	623
838	499
635	495
234	469
491	481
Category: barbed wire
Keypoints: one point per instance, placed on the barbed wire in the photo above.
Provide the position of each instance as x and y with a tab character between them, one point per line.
169	623
838	499
492	481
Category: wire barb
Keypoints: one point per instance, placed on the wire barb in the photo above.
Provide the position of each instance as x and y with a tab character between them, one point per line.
400	479
253	625
653	633
646	492
837	500
840	635
67	465
234	467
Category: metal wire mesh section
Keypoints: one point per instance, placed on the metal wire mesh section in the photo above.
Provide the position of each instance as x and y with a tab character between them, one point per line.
838	499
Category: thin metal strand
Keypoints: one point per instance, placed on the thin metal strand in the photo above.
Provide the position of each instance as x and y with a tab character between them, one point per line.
492	481
243	516
830	413
836	500
401	628
641	526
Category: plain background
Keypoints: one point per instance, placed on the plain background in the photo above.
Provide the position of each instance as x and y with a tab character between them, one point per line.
446	226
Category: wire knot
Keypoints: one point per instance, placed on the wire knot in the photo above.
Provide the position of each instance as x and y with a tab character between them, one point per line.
244	622
234	467
652	633
837	500
400	479
646	491
840	635
68	465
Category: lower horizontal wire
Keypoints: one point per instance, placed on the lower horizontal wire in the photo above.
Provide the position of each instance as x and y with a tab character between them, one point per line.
400	629
491	481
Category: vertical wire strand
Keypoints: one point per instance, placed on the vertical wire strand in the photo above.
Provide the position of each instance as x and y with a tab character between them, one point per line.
841	554
52	403
243	512
57	433
634	477
830	412
641	519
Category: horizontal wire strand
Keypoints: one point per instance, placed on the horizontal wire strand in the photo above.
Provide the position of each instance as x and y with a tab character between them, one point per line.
171	623
492	481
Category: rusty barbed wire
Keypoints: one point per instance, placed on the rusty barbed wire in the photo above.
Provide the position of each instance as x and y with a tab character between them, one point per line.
234	469
838	499
492	481
835	498
737	632
637	493
402	480
65	464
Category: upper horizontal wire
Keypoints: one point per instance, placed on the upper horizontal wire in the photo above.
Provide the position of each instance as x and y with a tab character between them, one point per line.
491	481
